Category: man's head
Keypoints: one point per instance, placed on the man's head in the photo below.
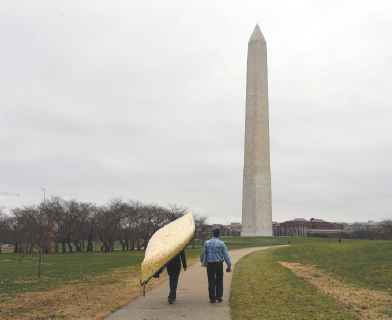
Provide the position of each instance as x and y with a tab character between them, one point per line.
216	233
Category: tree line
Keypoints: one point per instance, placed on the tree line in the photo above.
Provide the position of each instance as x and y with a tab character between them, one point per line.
382	231
58	225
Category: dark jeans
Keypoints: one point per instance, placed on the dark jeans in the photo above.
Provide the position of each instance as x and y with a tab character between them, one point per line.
215	280
173	285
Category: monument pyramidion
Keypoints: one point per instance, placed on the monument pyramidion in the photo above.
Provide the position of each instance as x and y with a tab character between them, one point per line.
256	196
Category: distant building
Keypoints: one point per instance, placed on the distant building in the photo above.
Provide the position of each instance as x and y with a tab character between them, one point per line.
301	227
364	226
342	225
230	230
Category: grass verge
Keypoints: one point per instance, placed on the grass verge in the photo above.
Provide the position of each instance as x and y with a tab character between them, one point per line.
363	263
264	289
19	276
73	286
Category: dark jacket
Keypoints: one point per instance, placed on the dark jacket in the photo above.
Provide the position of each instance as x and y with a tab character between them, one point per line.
174	266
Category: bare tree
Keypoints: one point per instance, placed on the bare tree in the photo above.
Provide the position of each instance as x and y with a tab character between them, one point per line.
177	211
19	233
151	218
86	225
64	215
72	223
134	220
109	223
386	229
3	228
201	231
128	226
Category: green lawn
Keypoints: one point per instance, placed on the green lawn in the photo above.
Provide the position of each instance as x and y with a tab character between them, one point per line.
60	269
364	263
263	289
88	267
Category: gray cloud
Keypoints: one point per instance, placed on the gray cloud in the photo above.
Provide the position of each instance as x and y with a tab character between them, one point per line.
146	100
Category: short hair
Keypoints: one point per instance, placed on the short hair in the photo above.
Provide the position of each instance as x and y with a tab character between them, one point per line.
216	233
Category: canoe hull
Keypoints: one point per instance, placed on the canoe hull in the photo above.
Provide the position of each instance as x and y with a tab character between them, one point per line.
165	244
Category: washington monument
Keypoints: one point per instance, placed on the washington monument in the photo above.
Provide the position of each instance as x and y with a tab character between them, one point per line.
256	194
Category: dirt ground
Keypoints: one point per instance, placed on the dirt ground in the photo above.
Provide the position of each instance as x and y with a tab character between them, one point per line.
81	301
78	301
365	304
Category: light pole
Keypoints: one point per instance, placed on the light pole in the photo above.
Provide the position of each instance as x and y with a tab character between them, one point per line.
40	245
44	193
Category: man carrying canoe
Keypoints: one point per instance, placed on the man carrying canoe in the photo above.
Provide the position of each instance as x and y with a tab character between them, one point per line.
216	252
173	270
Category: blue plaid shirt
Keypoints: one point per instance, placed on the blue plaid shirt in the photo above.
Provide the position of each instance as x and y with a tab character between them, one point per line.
216	251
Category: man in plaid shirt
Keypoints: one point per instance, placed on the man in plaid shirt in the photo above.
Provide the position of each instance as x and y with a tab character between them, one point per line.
216	253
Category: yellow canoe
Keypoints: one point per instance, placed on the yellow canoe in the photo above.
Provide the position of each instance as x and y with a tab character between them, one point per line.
165	244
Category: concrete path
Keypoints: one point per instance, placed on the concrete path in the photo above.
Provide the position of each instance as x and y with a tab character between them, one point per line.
192	297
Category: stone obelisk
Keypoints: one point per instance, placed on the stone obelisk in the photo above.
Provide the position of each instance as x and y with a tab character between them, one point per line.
256	196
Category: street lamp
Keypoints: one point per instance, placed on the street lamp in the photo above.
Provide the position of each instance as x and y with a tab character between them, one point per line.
44	192
40	247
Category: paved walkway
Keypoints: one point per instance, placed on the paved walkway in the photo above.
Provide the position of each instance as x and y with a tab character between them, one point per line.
192	297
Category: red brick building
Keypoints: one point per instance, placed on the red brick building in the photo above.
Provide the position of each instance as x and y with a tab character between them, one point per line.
301	227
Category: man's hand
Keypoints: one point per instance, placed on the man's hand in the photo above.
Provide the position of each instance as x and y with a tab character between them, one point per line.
228	269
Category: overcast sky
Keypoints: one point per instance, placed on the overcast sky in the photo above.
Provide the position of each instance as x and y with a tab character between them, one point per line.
145	100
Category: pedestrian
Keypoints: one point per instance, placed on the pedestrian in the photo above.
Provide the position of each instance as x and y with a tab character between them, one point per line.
173	270
340	240
216	252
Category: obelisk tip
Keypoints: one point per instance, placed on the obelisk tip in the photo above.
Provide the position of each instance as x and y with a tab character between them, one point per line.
257	35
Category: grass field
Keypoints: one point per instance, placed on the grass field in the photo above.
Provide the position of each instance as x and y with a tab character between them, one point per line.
364	263
351	280
81	285
261	289
60	269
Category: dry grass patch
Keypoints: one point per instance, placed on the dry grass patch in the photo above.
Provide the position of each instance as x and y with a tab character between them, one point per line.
79	301
364	303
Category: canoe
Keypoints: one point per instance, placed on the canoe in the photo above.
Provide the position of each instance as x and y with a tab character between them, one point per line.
165	244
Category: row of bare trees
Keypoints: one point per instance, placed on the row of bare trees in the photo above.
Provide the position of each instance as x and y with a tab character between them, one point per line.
381	231
57	225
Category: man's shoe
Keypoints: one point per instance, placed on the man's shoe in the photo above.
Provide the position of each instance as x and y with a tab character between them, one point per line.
212	301
219	300
170	300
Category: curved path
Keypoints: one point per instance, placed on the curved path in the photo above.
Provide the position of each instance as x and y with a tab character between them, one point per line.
192	297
